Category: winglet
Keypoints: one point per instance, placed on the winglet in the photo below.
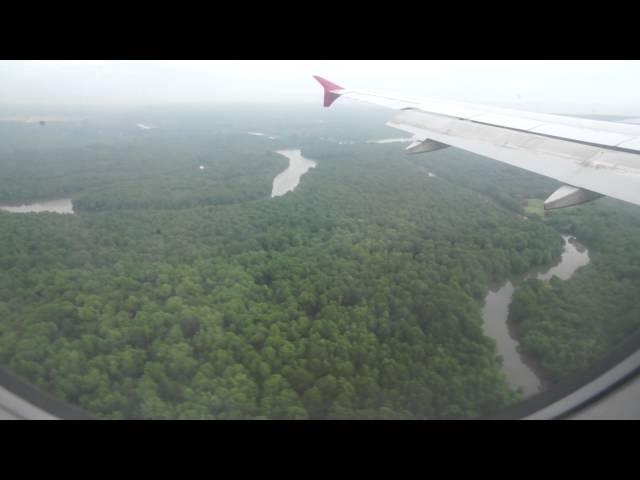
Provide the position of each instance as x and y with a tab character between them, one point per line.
329	95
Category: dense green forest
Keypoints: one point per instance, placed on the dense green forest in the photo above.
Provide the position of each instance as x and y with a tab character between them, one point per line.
567	325
176	292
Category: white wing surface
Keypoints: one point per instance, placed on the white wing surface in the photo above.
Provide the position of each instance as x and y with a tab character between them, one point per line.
591	157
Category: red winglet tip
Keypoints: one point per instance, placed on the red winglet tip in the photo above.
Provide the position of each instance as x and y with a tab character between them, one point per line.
326	84
329	97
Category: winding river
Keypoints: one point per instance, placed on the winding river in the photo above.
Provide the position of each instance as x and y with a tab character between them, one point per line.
289	179
520	370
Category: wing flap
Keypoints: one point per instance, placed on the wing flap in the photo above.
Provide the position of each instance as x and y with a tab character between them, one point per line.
578	169
568	196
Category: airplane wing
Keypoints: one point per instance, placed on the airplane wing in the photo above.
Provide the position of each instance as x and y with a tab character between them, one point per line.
591	158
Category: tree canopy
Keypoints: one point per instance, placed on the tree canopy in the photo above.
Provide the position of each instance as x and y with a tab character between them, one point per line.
176	292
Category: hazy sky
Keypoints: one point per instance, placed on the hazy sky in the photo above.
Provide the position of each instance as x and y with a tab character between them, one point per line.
555	86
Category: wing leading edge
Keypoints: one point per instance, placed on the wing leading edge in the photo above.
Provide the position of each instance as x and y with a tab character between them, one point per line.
590	157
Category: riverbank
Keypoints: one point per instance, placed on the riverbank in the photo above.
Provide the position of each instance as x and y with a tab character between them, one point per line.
521	370
287	180
60	205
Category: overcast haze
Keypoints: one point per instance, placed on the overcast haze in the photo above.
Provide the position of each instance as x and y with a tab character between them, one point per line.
601	87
